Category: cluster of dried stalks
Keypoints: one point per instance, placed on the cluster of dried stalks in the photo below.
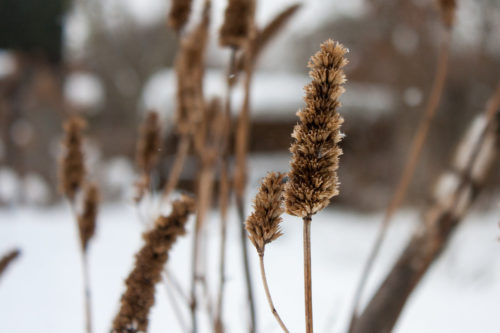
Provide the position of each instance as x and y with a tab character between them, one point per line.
205	127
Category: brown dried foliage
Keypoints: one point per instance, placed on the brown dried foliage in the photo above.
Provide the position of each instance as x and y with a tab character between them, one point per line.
238	23
8	259
87	219
263	225
72	167
179	14
313	177
447	8
150	260
149	143
189	68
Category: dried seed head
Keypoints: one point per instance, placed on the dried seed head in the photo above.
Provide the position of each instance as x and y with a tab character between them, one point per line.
238	23
263	225
149	143
149	262
72	167
313	177
189	69
7	259
447	8
179	14
87	219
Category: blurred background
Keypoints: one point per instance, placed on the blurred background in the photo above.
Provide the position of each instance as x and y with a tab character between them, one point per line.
112	60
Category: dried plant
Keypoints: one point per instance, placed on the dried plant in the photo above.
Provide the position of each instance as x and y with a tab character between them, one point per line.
238	23
7	259
179	14
263	225
87	219
72	166
472	163
313	176
448	9
150	260
189	109
148	151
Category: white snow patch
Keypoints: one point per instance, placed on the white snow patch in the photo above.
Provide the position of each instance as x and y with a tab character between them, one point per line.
84	90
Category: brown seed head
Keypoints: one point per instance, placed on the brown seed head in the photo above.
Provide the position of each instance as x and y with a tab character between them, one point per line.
8	259
189	69
179	14
72	167
263	225
149	262
447	8
149	143
87	219
238	23
313	177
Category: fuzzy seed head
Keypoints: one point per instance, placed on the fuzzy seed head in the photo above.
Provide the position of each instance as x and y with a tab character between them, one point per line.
149	143
315	149
448	8
72	166
87	219
238	23
263	225
179	14
149	262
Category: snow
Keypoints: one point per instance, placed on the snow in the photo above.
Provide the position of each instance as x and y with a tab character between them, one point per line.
459	294
84	90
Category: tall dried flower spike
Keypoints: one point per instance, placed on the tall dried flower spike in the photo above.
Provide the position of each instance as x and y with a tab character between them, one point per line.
238	23
447	8
149	262
149	143
7	259
179	14
72	167
87	219
313	177
263	224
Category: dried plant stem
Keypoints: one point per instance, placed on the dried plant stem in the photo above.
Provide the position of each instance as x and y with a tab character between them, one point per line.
175	171
240	182
87	293
408	171
7	259
224	191
173	302
268	294
307	274
430	239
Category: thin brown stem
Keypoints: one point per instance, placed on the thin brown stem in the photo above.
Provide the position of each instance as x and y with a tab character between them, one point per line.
175	305
87	294
268	294
307	274
409	169
224	192
176	170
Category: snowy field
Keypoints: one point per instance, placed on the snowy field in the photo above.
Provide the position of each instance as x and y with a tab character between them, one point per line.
42	292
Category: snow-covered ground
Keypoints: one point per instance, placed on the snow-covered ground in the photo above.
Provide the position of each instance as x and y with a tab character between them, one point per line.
42	292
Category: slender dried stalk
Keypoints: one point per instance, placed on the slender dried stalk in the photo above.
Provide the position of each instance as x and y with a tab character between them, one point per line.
189	110
409	169
313	176
175	305
208	142
224	191
473	161
268	294
263	225
139	296
86	226
307	273
8	259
